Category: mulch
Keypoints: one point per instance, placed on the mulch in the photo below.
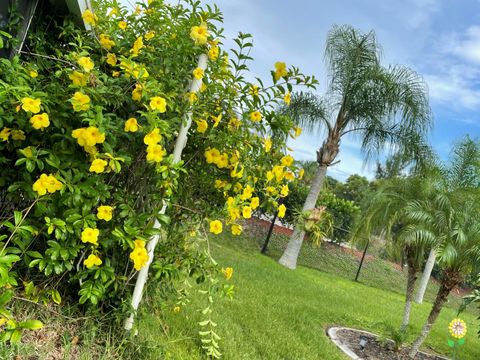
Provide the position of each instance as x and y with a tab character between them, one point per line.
377	349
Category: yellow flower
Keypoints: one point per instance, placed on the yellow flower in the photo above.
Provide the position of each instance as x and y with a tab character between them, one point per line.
106	42
28	152
78	79
137	93
46	183
278	172
32	105
199	34
115	73
267	143
153	137
113	12
111	59
222	161
213	53
33	73
80	101
269	176
254	90
131	125
271	190
247	193
211	155
104	212
122	25
220	184
287	98
287	160
281	211
198	73
298	131
89	17
139	255
216	227
18	135
247	212
280	70
228	272
192	97
158	103
92	260
202	126
176	309
40	121
216	120
255	116
90	235
88	137
289	175
300	174
137	46
155	153
254	203
149	35
98	166
234	124
236	229
457	328
284	191
85	63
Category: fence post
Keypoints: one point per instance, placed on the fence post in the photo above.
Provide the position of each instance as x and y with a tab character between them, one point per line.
152	243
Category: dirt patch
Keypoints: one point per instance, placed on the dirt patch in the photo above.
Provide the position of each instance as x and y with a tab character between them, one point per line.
376	349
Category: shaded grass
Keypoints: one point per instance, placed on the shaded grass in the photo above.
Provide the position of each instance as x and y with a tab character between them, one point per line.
282	314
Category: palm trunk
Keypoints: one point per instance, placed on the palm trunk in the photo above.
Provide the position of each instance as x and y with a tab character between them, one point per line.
412	277
449	281
425	277
290	255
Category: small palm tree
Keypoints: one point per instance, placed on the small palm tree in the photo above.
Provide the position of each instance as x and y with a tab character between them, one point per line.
456	227
391	212
379	105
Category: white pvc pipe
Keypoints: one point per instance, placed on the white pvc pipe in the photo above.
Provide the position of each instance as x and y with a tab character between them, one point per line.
152	243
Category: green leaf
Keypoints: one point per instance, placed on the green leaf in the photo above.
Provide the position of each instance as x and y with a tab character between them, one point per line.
451	343
31	324
461	341
6	297
57	299
16	336
18	217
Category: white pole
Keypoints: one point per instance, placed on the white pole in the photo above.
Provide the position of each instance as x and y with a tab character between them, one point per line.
177	156
425	277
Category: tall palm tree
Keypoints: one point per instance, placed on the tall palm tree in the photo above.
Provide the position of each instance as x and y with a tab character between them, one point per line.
379	105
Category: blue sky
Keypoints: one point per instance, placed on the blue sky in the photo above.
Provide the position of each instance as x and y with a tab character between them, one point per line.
438	39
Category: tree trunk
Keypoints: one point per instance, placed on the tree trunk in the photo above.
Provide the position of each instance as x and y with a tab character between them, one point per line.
412	277
450	279
290	255
425	277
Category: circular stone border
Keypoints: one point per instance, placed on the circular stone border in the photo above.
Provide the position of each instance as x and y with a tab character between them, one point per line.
332	334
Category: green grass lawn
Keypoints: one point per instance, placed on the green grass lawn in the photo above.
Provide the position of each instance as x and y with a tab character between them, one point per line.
277	313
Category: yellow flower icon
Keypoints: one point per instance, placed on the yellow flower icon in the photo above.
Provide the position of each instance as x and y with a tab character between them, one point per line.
228	272
158	103
198	73
85	63
80	101
155	153
202	126
457	328
131	125
89	17
236	229
281	211
78	79
153	137
255	116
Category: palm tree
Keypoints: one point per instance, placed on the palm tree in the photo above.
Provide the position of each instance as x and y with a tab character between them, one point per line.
391	212
464	173
456	226
378	105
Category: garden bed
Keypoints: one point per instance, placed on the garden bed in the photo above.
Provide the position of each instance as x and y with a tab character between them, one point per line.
348	340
